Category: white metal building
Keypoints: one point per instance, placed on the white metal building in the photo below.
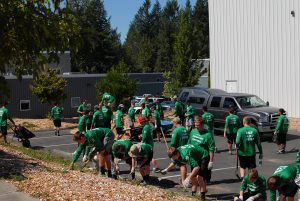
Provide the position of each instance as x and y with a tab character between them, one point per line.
255	48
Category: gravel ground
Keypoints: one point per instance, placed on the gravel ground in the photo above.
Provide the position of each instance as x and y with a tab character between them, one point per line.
53	182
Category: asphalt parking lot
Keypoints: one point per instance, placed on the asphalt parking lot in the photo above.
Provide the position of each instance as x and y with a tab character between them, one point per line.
224	183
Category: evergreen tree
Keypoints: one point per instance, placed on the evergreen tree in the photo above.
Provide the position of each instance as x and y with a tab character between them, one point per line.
186	74
166	37
101	47
169	89
200	23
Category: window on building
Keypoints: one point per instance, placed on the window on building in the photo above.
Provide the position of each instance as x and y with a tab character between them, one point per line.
197	100
215	102
229	102
75	102
25	105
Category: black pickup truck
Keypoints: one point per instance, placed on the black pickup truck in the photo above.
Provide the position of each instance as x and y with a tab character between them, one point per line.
218	103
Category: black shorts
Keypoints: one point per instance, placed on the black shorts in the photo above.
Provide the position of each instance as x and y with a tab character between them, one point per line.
281	138
289	190
139	160
57	123
231	138
4	130
203	168
247	162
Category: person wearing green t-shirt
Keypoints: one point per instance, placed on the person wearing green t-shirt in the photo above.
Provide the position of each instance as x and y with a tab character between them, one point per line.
147	138
179	110
4	116
89	118
56	113
82	122
180	135
145	111
141	154
232	124
82	108
256	186
107	114
119	121
98	140
131	115
297	160
156	121
282	181
282	126
247	138
159	108
107	97
195	157
200	137
189	116
98	118
120	151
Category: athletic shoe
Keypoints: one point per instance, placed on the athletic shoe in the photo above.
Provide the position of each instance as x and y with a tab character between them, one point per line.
58	133
55	133
230	152
234	146
144	183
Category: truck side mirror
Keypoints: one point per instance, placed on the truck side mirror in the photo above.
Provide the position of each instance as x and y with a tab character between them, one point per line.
268	103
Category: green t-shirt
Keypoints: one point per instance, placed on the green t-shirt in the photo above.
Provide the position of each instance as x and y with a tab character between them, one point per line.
81	108
246	139
258	187
118	119
108	97
146	112
178	109
146	151
191	155
232	124
126	144
95	138
203	139
98	119
297	160
159	108
287	175
107	113
131	113
56	113
208	119
190	112
82	124
147	136
156	116
282	124
89	119
4	116
180	137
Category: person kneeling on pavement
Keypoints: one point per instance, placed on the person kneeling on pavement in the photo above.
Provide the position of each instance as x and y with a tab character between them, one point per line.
142	155
120	151
98	140
256	185
197	158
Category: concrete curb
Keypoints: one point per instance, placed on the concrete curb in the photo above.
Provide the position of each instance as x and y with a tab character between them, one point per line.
8	192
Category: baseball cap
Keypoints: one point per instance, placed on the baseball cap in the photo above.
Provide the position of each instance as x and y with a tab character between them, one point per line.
134	151
142	119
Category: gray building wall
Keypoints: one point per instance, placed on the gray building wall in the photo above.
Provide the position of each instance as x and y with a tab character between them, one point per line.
78	85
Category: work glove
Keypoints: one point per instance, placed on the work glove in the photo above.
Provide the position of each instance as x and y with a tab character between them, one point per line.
260	156
187	183
297	180
210	165
85	159
164	171
250	199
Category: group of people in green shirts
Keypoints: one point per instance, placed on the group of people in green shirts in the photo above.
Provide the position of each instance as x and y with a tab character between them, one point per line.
192	143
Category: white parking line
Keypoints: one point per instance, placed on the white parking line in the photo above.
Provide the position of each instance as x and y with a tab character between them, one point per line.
172	176
57	145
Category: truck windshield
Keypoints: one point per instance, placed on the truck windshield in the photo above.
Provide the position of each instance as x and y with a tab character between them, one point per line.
250	101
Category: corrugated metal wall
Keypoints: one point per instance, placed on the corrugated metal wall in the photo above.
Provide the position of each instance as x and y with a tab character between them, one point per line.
77	86
257	43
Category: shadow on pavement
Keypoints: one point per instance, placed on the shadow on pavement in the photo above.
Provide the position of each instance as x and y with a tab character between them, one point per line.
224	196
224	181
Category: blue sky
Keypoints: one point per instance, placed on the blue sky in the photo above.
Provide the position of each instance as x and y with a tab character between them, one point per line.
122	12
